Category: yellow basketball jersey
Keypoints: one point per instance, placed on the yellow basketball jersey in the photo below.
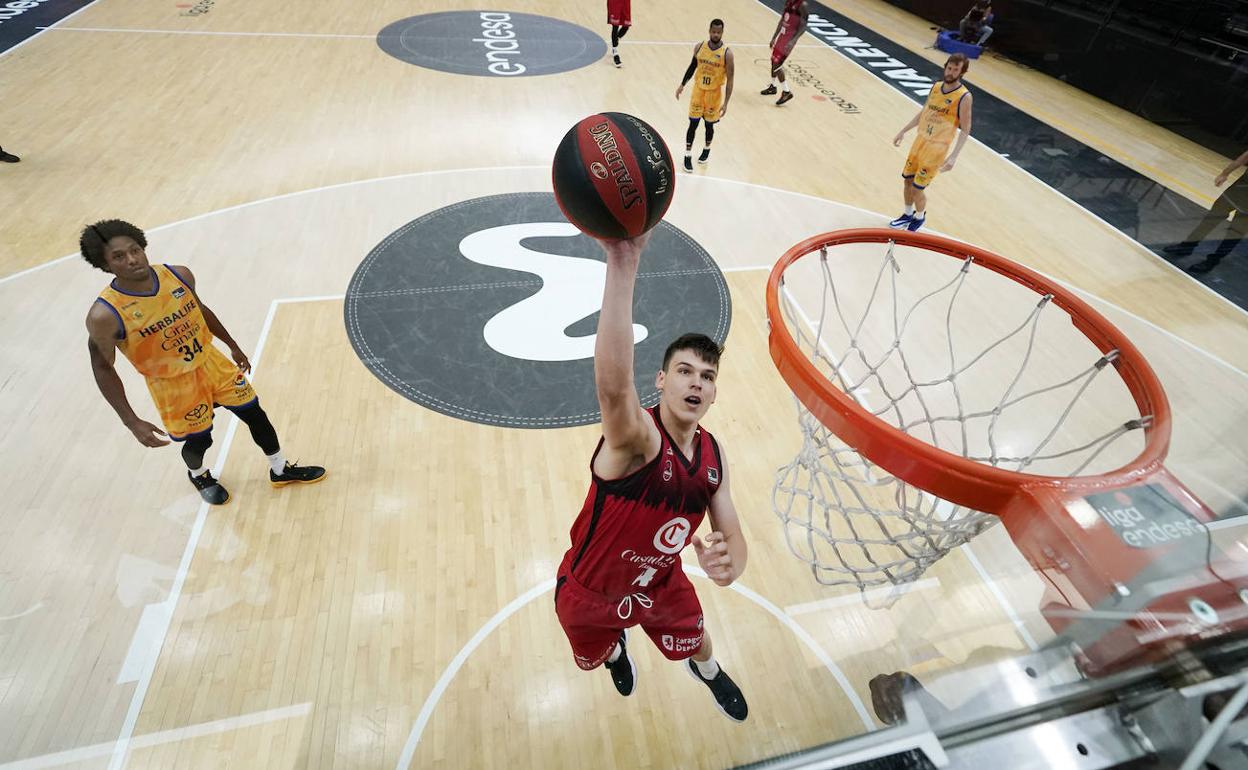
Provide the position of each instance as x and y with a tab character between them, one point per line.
712	69
939	124
164	333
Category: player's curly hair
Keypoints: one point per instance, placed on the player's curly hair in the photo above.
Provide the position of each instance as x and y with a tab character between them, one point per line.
707	349
95	237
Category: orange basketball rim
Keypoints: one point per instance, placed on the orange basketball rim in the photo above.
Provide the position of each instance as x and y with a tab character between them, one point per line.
1118	604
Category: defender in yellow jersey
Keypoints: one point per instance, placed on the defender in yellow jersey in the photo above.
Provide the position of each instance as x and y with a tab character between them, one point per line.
945	114
711	69
154	316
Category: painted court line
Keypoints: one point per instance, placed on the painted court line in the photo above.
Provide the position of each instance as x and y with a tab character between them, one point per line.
99	750
204	33
160	629
461	657
45	29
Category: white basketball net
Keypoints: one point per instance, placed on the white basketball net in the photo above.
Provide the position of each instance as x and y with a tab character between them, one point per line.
974	383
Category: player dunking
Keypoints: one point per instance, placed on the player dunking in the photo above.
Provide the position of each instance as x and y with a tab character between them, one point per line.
947	109
620	17
790	27
655	474
155	317
711	69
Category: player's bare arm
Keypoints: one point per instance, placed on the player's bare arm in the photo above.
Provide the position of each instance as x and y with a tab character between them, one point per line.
964	123
693	65
729	69
1242	160
102	338
214	324
724	553
902	133
630	436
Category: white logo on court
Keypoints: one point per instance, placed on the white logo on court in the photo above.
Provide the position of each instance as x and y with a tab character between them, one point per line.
534	329
671	536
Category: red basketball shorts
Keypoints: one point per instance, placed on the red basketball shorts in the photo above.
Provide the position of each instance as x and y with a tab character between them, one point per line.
669	612
620	13
783	47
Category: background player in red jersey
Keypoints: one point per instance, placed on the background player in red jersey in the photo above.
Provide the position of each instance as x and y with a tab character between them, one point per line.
655	474
790	27
620	17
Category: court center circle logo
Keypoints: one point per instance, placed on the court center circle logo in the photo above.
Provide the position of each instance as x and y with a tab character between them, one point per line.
491	43
487	310
672	536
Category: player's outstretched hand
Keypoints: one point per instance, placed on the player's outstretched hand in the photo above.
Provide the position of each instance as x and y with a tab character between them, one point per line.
714	558
625	248
148	434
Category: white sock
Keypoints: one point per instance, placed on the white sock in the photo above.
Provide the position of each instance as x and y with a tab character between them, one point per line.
786	86
615	654
910	209
920	214
197	472
775	82
613	51
277	462
708	669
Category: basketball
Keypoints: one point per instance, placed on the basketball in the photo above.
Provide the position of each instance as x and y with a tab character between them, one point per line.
613	176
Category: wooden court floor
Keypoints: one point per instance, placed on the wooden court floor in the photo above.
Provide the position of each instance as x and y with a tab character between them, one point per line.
399	614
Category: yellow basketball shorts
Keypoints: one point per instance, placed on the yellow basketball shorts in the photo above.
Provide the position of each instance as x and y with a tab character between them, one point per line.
186	401
924	162
705	104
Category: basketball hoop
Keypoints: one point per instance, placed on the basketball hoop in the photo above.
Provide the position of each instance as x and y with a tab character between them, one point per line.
925	421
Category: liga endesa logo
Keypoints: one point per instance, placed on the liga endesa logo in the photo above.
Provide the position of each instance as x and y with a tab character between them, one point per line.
491	43
803	73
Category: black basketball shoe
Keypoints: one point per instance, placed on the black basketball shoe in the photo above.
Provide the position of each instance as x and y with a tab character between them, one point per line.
209	489
623	671
8	157
296	474
688	163
616	58
728	697
705	156
769	90
1180	250
784	97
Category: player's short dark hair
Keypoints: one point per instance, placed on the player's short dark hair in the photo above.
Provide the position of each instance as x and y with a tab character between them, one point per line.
961	59
95	238
707	349
717	22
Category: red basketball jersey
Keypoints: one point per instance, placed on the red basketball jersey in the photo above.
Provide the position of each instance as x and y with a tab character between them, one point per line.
793	16
631	530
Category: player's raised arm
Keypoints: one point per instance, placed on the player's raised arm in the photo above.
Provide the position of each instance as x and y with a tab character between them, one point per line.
625	425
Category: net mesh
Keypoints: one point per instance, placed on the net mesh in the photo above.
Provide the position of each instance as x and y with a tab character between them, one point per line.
960	366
